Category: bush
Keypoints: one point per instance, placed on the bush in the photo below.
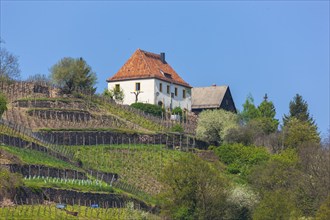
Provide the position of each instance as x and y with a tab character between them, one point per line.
177	128
240	158
148	108
177	111
8	183
3	104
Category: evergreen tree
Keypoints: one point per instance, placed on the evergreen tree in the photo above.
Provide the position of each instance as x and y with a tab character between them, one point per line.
266	117
299	110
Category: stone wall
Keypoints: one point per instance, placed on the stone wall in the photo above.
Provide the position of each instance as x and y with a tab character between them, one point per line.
18	142
104	200
107	137
43	171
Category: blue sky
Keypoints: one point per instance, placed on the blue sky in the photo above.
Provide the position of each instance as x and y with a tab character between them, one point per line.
276	47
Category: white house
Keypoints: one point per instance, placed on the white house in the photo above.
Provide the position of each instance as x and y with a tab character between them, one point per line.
147	77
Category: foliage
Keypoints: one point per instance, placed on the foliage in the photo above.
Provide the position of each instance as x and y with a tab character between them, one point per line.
242	201
73	75
9	66
8	182
249	110
3	104
114	94
240	158
194	190
213	125
263	115
280	172
298	132
314	162
148	108
177	128
267	119
177	111
276	205
323	213
299	110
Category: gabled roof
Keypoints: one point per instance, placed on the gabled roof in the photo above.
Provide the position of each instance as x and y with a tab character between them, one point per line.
208	97
144	65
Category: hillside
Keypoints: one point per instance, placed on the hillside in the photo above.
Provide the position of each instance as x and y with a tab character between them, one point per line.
87	146
85	157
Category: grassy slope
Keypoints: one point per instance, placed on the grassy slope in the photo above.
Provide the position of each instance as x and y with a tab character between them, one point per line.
137	165
48	212
28	156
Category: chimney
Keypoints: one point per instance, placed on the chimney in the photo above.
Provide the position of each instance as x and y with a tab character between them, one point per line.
162	58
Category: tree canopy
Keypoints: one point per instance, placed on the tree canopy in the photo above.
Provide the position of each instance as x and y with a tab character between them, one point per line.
9	66
193	190
73	75
299	110
213	125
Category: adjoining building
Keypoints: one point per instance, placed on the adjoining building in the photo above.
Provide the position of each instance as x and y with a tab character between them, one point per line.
213	97
147	77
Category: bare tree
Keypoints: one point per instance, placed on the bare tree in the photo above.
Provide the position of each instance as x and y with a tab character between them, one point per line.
9	66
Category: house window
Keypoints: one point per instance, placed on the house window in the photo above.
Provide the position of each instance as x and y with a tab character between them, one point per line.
117	87
137	86
184	93
168	89
160	87
176	91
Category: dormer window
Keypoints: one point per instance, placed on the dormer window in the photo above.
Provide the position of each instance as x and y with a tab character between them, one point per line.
167	75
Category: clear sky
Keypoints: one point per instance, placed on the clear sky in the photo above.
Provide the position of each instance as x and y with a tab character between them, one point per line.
276	47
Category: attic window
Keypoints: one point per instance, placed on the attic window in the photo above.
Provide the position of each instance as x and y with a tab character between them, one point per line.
167	75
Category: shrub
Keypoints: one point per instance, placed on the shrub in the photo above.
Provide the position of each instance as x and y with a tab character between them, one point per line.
177	128
240	158
3	104
148	108
177	111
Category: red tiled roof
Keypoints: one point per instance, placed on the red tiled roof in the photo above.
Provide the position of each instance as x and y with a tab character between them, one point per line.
143	64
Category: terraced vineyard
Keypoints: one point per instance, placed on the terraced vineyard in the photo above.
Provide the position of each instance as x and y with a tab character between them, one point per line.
118	167
137	165
50	212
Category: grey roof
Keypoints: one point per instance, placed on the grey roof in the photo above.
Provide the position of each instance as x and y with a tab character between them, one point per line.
208	97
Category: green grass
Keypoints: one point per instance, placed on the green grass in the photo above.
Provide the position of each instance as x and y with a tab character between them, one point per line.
133	117
137	165
50	212
29	156
72	184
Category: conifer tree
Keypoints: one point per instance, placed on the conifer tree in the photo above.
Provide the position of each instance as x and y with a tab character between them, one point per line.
299	110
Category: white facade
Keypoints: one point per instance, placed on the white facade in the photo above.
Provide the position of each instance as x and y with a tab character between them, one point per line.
155	91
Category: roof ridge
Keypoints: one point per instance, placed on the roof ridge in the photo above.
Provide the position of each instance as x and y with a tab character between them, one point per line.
141	51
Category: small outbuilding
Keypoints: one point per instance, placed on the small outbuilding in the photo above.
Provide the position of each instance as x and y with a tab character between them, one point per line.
213	97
